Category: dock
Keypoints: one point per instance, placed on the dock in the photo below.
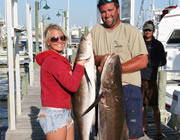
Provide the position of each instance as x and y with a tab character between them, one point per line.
168	133
28	128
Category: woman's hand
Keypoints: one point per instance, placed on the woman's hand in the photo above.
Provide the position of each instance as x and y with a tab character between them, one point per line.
82	62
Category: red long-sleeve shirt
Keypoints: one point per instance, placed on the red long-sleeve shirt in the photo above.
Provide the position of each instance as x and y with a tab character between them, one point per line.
57	79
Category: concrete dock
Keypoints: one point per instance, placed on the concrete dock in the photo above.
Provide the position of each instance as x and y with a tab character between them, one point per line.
27	127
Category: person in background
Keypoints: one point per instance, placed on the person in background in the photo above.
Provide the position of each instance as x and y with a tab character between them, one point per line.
58	81
113	36
156	58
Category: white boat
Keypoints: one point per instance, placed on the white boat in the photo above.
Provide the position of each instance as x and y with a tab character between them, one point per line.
169	35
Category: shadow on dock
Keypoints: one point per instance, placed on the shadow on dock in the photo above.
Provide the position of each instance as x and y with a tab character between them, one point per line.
168	132
37	132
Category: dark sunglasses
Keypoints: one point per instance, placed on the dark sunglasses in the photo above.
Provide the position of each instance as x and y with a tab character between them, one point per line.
56	38
147	30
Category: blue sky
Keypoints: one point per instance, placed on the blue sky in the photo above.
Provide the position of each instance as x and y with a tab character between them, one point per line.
82	12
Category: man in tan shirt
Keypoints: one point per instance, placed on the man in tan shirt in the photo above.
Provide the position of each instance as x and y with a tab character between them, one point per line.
125	40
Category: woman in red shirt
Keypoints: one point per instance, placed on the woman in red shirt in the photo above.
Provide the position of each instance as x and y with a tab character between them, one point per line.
58	80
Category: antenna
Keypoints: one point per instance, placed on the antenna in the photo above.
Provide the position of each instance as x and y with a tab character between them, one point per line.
171	2
140	14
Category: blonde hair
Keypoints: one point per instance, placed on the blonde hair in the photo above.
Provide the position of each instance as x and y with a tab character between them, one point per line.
51	27
47	31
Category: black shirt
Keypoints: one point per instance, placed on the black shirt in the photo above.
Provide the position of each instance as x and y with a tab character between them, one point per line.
156	58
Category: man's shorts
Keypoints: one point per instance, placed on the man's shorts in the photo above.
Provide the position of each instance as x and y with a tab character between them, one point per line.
149	92
133	102
51	119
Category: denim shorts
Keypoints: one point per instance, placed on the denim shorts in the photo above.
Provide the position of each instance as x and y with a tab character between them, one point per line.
133	102
53	118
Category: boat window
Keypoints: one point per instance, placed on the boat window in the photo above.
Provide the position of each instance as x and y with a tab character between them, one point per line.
175	37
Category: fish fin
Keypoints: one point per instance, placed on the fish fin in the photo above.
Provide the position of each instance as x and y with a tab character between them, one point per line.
93	105
87	77
89	82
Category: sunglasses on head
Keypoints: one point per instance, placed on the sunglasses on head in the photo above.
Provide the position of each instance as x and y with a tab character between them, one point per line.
103	1
56	38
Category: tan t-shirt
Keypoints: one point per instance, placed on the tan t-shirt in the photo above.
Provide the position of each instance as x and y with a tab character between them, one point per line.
125	40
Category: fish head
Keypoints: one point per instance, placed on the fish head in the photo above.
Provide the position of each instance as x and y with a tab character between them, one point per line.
111	71
85	49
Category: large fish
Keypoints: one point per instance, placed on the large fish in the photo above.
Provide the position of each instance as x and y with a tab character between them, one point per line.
85	95
112	122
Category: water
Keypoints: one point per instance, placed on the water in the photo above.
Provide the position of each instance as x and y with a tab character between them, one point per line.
3	99
3	105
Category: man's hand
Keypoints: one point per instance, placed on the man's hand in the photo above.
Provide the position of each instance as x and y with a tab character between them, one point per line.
100	61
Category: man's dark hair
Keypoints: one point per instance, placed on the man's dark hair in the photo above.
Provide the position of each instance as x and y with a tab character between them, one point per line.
101	2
